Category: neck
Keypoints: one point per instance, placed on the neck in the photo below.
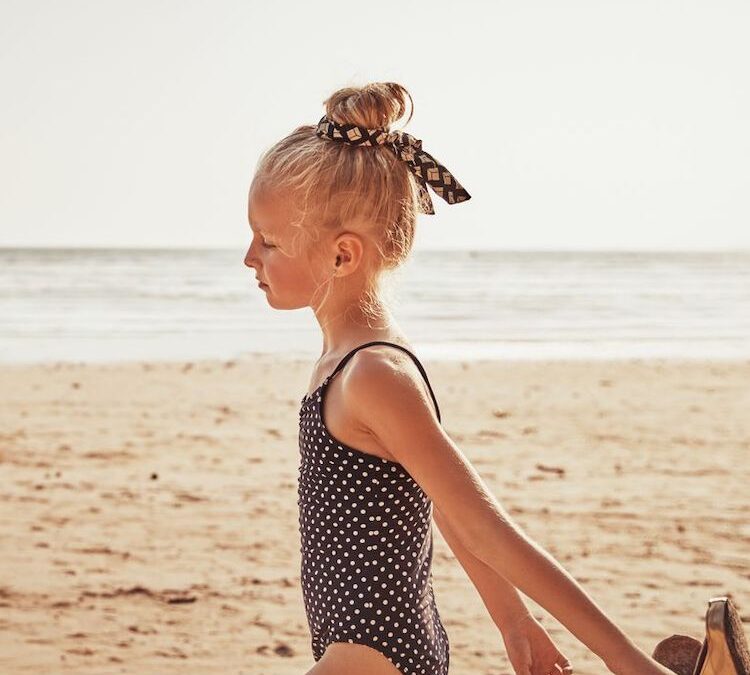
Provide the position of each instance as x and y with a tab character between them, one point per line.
345	324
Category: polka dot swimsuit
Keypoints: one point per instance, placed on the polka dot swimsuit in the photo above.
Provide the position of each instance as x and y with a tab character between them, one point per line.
366	545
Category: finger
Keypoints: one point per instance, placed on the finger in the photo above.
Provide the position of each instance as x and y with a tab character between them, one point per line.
554	670
564	665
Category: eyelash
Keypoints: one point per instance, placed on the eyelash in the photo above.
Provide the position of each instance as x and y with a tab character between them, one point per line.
265	245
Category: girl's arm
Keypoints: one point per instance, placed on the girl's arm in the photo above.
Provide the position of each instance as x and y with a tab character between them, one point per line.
386	393
503	602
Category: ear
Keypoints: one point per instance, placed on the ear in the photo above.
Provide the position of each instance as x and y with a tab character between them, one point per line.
348	251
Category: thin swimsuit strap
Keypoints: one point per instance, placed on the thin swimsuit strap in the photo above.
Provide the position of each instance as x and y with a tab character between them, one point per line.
346	358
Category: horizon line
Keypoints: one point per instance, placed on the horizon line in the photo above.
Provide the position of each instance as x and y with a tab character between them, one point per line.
427	250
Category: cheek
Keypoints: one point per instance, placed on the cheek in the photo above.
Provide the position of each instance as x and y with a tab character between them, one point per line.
289	273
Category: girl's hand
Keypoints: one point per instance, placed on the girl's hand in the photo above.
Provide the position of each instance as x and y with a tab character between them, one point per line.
531	650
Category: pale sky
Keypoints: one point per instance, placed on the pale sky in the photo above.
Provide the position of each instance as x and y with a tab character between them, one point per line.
607	124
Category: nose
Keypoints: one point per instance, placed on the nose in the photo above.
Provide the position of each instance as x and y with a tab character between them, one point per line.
249	259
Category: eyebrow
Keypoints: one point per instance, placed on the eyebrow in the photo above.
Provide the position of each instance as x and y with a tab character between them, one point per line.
266	233
259	229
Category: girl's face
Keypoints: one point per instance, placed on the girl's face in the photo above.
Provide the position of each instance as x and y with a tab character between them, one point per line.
289	282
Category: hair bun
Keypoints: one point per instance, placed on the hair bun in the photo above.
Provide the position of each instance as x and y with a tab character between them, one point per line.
376	105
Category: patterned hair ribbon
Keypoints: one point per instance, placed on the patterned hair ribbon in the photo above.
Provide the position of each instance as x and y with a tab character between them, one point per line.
426	169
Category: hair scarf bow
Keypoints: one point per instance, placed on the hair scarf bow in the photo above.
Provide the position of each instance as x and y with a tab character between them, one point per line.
426	169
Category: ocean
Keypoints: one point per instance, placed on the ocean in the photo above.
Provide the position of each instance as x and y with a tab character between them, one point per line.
178	304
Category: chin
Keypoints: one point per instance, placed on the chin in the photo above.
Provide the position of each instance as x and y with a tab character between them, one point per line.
280	304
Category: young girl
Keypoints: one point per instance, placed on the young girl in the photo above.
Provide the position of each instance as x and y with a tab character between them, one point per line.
332	206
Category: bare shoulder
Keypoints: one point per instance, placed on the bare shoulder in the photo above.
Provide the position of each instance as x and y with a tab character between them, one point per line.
384	373
379	359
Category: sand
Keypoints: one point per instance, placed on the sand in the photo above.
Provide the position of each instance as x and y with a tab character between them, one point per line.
149	524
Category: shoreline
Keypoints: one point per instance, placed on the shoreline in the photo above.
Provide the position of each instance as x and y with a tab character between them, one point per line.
270	357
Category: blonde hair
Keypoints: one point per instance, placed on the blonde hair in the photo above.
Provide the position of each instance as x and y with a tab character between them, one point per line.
337	186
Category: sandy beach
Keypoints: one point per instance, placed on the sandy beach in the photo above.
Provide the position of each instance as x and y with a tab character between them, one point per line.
149	516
